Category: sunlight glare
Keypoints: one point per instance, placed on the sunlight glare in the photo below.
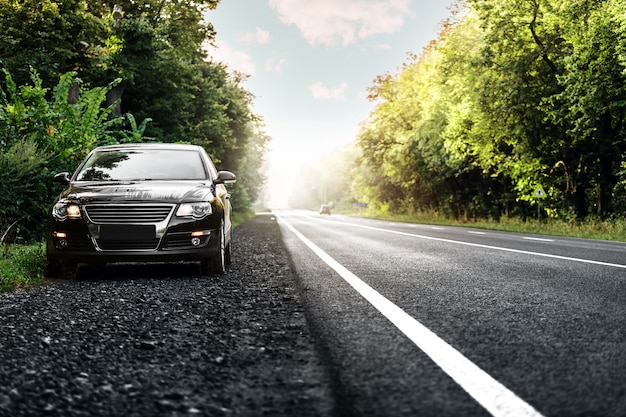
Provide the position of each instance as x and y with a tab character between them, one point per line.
294	147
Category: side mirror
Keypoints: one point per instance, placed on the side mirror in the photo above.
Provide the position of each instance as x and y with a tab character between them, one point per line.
61	178
225	177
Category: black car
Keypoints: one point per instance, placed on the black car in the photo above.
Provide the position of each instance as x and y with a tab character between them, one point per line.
141	203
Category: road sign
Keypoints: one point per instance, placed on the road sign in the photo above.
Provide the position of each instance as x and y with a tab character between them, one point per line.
539	193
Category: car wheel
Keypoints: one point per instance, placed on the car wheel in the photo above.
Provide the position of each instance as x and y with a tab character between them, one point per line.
216	265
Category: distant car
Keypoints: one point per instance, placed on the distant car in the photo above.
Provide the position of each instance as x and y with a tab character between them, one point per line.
141	203
325	209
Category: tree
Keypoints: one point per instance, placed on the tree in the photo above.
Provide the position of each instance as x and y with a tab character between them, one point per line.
593	99
511	94
52	36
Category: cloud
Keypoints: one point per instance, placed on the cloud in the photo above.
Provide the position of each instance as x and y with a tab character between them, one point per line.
333	22
258	37
275	64
235	60
320	91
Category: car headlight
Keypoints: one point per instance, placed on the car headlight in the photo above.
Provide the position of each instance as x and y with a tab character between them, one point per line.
194	210
64	211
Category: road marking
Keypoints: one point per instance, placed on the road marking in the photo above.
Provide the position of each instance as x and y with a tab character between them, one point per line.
489	393
476	233
538	239
478	245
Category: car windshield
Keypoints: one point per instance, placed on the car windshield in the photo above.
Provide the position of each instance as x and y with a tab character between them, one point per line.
143	164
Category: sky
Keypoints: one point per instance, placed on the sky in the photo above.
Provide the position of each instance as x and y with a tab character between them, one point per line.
309	64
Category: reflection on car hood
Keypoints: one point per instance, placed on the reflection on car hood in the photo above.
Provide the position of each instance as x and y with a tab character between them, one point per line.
159	191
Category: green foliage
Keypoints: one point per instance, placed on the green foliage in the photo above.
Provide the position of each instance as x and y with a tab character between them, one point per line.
23	194
21	266
512	94
53	36
247	165
40	136
136	132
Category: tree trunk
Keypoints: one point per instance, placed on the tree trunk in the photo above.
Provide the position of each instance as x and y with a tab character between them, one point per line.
606	159
114	96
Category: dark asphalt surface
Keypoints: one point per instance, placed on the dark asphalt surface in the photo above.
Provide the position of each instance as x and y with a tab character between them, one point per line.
552	330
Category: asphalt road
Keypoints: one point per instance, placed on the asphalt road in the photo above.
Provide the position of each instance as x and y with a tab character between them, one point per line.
416	320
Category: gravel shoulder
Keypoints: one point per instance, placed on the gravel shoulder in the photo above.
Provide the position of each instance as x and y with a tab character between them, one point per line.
147	340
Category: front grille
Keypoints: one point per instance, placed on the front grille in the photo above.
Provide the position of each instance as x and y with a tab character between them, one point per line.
80	242
150	244
128	213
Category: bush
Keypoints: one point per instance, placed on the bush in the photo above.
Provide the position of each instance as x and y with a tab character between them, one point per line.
24	197
41	134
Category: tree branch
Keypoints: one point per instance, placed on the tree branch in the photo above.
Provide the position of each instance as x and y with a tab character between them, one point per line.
533	31
6	232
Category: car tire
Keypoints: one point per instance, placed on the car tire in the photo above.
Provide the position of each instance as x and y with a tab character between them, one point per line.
216	265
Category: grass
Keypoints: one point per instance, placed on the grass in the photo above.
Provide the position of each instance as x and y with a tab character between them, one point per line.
21	266
614	230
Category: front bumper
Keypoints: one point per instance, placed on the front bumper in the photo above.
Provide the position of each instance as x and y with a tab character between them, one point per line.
72	241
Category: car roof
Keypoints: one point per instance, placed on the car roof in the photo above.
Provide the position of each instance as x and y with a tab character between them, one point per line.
171	146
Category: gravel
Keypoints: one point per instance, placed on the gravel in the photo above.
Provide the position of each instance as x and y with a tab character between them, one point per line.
147	340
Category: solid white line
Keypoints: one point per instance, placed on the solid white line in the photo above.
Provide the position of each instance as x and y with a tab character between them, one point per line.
489	393
478	245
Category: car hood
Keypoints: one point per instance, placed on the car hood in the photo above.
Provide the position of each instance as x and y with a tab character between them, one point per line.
148	191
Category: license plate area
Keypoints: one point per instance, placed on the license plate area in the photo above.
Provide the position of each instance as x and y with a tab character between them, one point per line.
127	232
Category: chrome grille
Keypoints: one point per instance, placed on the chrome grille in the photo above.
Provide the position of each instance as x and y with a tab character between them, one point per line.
128	213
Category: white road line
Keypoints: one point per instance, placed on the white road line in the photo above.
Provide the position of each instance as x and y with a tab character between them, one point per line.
489	393
476	233
478	245
538	239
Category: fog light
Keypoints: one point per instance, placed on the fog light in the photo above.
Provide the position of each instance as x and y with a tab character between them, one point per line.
195	241
62	243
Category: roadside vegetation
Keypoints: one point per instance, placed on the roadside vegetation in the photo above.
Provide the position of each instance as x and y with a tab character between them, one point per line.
614	230
21	266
